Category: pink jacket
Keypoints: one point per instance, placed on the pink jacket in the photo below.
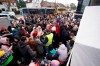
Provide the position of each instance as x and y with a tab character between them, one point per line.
4	41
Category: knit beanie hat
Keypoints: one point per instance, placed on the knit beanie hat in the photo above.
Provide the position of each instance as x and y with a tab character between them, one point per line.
32	64
21	19
12	29
35	33
53	28
55	63
17	37
3	28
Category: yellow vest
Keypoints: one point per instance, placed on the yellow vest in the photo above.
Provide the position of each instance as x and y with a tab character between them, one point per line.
50	39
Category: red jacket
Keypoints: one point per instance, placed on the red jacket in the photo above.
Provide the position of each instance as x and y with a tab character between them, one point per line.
58	30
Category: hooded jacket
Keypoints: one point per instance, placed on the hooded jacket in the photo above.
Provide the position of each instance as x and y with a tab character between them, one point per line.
3	40
4	43
15	32
26	52
62	51
39	46
25	49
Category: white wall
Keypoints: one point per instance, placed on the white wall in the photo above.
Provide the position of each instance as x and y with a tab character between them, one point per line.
34	4
89	32
13	6
86	50
3	6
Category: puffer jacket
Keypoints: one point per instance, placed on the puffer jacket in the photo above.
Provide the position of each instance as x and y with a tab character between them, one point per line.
3	40
62	51
4	43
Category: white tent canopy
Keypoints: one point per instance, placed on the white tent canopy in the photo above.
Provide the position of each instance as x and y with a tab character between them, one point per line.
86	51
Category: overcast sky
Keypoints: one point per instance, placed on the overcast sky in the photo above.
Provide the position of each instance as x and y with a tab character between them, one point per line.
63	1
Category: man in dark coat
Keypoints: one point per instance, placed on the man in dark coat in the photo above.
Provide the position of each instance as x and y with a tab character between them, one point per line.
65	35
27	53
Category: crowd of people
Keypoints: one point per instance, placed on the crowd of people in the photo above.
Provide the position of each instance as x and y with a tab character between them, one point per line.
39	40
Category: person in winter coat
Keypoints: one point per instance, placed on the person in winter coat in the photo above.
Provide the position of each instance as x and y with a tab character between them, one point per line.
4	42
65	35
34	32
52	55
62	52
58	29
21	21
39	45
39	30
16	53
22	31
6	57
27	53
9	28
48	40
75	29
28	28
55	38
15	32
3	31
32	44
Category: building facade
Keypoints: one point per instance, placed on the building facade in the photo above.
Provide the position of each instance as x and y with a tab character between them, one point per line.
3	6
33	3
13	6
8	5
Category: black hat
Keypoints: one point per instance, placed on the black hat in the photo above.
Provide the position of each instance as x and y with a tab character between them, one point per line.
47	30
23	38
17	37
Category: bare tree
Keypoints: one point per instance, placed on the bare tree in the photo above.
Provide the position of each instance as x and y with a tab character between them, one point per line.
73	6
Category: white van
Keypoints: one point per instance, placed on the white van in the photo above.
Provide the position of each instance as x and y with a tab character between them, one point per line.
6	19
8	12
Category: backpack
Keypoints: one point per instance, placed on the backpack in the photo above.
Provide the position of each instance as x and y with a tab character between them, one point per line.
5	57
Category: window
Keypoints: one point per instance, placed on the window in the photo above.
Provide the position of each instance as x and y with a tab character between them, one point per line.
13	9
0	3
3	9
14	4
3	16
0	10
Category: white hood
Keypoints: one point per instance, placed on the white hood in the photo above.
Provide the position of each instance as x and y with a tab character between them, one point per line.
62	47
